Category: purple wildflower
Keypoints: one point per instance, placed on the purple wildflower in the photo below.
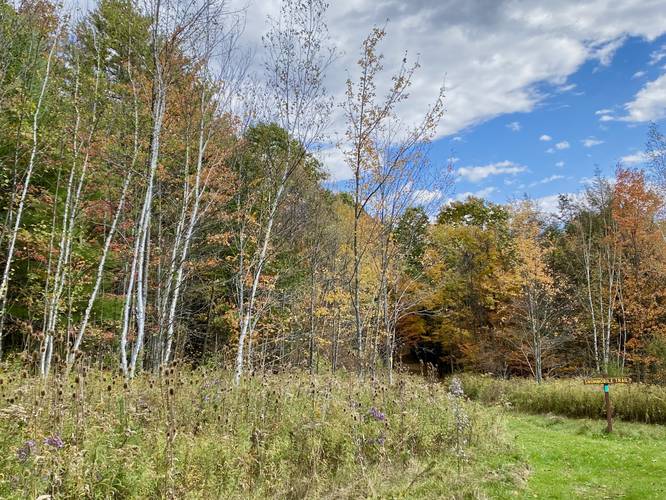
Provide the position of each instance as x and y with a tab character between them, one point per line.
376	414
26	450
54	441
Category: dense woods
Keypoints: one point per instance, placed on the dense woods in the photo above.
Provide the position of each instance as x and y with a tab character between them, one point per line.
163	200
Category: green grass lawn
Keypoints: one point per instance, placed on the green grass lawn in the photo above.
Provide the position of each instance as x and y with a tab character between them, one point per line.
570	458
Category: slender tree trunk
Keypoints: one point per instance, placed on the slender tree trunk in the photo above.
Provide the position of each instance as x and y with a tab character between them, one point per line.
144	225
100	273
248	315
188	236
4	285
312	319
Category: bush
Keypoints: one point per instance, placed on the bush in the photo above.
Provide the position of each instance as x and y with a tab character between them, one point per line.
571	398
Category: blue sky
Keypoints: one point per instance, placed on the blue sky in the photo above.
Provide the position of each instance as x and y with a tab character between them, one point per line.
558	145
587	74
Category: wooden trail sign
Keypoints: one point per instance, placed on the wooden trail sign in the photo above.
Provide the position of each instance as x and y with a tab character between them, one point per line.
606	381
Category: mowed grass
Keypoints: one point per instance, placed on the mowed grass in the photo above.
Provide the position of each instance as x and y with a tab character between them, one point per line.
575	458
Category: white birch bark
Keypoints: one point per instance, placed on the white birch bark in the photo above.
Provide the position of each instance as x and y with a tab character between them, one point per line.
198	192
143	229
4	285
72	201
100	274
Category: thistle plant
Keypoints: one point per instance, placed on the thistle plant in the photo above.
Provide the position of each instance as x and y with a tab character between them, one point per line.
461	420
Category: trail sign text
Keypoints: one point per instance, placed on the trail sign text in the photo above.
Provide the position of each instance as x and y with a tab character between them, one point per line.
607	380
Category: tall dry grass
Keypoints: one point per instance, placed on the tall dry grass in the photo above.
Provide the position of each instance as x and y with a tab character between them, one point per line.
191	434
571	398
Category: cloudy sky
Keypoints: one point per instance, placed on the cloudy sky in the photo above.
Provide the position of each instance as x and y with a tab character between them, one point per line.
539	93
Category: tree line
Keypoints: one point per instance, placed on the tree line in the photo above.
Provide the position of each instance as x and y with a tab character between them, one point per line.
163	199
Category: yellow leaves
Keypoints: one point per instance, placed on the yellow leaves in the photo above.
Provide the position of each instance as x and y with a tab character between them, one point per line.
531	252
323	312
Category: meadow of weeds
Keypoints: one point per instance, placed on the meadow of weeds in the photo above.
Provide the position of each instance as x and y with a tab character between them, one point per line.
188	433
570	398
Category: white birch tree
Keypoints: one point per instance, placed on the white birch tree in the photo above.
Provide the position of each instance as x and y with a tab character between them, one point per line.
298	52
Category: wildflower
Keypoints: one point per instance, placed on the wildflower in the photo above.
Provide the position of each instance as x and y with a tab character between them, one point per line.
376	414
54	441
455	388
26	450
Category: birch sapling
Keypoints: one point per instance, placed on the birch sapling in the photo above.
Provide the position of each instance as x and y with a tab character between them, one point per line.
298	54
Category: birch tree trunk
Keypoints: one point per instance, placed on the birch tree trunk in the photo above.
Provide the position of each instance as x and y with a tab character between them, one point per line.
71	357
13	235
198	192
72	202
298	56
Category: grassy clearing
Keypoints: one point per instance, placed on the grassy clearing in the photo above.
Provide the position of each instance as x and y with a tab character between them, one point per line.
189	434
570	398
577	459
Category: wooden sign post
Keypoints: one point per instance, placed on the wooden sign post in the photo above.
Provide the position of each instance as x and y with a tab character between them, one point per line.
606	382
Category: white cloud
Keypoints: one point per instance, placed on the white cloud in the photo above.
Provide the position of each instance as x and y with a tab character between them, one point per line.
482	193
591	141
548	204
566	88
559	164
545	138
562	145
479	173
649	103
547	180
634	159
605	51
658	55
492	53
426	196
334	164
457	138
605	115
638	74
514	126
